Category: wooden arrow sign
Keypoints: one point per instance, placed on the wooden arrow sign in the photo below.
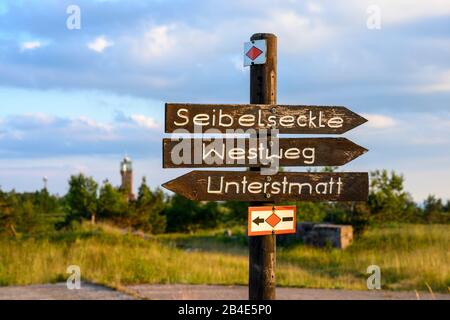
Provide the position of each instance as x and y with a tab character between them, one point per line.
230	152
283	186
197	118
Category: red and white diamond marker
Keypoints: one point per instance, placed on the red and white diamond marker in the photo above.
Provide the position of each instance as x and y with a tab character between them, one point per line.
255	52
271	220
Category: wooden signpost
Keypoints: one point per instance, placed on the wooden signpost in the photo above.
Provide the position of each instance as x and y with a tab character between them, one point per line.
260	121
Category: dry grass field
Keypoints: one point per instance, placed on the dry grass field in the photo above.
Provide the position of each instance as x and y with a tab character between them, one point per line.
411	257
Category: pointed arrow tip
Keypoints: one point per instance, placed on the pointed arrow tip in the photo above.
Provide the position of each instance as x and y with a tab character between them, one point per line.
182	186
363	120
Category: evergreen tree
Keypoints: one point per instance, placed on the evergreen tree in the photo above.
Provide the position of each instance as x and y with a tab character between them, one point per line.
111	203
312	211
181	214
81	199
149	206
8	213
356	214
208	215
30	218
237	212
435	211
447	206
44	202
387	199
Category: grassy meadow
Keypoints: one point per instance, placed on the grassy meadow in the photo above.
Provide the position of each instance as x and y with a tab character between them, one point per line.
411	257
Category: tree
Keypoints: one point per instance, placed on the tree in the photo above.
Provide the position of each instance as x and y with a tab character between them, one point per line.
434	210
356	214
207	215
111	203
387	199
312	211
44	202
8	213
447	207
181	214
237	212
433	204
81	199
148	209
30	218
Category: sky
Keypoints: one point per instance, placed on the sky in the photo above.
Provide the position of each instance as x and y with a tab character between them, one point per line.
80	99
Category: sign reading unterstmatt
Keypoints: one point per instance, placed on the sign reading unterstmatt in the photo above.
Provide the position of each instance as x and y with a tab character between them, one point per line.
271	220
284	186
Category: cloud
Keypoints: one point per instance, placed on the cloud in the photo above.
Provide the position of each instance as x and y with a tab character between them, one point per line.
140	120
396	12
99	44
314	7
30	45
37	135
164	56
379	121
86	122
29	121
441	85
299	33
165	44
143	121
157	41
400	11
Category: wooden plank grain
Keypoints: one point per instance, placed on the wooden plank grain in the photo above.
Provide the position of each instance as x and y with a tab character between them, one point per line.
262	249
220	118
233	152
283	186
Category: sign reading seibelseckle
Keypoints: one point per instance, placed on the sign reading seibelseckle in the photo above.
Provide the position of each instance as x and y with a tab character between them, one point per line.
225	118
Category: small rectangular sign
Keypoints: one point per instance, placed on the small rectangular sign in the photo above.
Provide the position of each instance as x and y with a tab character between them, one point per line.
271	220
255	52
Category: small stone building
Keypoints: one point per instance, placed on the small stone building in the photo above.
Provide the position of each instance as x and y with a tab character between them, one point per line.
325	234
321	235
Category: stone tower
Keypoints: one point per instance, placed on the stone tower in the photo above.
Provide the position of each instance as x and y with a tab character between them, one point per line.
126	171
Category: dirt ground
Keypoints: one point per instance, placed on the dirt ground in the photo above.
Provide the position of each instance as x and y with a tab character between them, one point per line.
89	291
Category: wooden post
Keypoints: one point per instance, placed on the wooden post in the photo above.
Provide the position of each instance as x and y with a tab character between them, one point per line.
262	249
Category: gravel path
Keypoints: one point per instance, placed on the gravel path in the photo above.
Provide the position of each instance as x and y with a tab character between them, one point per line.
89	291
207	292
59	291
